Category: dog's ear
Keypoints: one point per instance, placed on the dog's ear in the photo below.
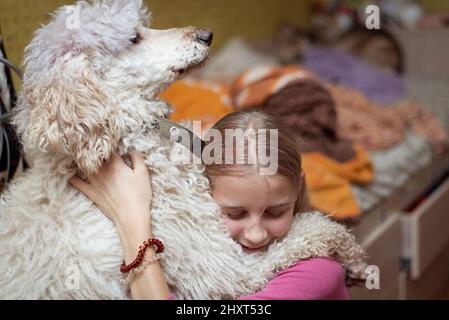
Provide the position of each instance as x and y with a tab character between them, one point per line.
73	115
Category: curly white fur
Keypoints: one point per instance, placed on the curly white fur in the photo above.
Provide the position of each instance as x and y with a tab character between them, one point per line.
88	91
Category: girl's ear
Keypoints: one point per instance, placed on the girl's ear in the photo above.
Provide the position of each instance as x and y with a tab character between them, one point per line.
73	115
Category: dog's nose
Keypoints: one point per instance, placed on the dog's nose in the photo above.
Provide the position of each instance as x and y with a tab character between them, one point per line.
205	36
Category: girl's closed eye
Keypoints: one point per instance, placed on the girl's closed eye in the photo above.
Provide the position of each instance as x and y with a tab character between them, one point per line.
233	213
277	211
275	214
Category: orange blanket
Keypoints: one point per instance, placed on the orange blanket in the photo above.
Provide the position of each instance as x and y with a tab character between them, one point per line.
196	100
256	85
329	182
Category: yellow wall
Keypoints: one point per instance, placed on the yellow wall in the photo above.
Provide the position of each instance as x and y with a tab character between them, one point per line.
435	5
254	19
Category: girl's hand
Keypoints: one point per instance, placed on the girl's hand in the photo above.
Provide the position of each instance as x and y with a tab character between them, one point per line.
122	193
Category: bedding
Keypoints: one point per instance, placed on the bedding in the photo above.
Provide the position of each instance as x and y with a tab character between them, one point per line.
339	67
329	182
430	91
391	166
198	100
297	96
376	126
233	59
395	165
365	122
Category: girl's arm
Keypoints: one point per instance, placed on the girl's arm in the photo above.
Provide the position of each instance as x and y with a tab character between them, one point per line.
124	195
313	279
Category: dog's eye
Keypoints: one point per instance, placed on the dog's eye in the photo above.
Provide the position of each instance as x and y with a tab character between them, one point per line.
136	39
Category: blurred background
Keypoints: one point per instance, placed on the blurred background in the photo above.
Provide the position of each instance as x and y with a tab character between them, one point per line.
251	19
370	106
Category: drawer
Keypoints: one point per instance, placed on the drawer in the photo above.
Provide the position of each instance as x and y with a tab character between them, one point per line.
383	247
426	231
432	284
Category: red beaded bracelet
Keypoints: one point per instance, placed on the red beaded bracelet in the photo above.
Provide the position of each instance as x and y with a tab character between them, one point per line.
150	242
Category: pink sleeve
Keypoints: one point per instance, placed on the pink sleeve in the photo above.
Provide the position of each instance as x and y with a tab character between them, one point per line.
171	297
315	279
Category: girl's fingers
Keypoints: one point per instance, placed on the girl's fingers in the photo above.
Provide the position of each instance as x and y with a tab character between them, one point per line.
114	161
115	157
82	186
138	162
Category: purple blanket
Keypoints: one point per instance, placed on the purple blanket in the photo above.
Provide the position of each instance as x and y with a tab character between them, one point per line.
335	66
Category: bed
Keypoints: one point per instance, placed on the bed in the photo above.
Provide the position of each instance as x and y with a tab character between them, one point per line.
410	246
411	249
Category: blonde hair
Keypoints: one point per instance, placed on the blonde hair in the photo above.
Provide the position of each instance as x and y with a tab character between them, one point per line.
289	158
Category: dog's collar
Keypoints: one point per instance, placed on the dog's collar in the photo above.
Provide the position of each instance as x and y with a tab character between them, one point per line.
180	134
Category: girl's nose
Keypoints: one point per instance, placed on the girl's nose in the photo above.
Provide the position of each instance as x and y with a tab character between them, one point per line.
256	235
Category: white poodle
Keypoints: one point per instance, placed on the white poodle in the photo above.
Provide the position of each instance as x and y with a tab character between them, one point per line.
91	81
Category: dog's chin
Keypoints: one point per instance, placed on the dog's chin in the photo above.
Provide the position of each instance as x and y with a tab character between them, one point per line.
182	72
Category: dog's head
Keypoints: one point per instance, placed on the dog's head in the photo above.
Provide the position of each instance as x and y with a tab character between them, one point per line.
87	66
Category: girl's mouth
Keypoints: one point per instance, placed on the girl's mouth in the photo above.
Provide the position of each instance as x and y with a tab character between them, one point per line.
254	249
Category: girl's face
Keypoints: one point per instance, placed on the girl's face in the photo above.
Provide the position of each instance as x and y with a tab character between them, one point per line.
256	209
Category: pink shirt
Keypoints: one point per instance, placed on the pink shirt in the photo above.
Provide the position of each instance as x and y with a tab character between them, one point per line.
314	279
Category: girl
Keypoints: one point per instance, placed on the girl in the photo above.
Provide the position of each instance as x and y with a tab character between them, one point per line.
257	209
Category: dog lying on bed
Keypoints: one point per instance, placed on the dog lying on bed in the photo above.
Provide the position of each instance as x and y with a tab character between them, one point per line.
90	87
